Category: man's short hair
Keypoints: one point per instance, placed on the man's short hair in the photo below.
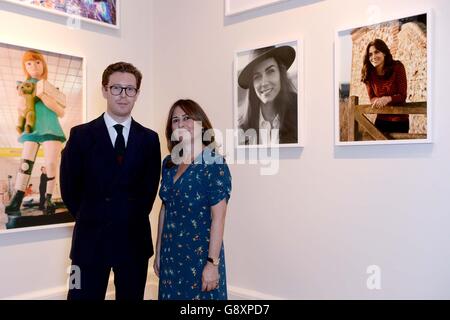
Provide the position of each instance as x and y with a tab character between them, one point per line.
121	67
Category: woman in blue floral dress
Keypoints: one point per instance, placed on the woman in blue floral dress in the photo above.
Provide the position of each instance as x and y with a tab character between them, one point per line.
195	190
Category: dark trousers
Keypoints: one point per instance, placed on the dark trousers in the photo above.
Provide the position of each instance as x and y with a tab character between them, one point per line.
129	281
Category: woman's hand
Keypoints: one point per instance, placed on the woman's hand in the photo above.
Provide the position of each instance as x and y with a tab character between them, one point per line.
210	277
381	102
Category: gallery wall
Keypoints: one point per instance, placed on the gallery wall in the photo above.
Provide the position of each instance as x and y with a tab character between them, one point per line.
310	231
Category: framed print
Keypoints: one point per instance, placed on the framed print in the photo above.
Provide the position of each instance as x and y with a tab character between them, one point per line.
102	12
41	99
382	84
233	7
268	96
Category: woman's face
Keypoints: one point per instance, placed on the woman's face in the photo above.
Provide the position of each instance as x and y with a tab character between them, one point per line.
267	80
35	68
182	121
376	57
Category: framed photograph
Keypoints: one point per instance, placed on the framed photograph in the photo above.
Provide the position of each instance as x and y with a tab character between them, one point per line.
268	95
42	96
102	12
233	7
383	82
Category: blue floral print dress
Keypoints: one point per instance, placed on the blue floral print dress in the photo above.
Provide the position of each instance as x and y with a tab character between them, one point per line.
187	225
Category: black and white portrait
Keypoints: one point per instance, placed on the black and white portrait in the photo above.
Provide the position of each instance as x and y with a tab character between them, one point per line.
267	96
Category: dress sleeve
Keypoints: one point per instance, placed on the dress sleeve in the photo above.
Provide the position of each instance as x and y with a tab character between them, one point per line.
370	92
218	183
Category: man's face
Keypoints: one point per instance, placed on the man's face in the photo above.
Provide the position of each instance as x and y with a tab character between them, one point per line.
120	105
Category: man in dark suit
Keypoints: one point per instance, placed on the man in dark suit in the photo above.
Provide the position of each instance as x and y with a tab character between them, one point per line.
110	171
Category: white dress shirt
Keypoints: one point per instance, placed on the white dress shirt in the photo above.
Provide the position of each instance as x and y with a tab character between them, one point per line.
266	136
110	122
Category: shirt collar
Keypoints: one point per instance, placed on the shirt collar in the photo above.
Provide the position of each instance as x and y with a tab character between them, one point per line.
110	122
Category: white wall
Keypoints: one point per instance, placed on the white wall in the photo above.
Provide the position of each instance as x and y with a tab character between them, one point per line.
311	230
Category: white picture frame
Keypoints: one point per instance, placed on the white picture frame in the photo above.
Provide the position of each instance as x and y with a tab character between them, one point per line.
233	7
67	72
351	45
241	96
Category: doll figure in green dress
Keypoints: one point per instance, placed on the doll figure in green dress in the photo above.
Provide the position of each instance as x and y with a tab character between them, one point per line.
190	255
47	132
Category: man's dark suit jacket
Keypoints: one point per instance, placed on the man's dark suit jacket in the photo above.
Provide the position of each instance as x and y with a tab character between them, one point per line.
111	203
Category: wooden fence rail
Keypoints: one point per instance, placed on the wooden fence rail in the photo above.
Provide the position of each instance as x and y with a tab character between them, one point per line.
357	119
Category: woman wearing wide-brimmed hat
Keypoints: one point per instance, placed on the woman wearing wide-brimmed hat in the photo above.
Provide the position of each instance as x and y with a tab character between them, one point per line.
272	98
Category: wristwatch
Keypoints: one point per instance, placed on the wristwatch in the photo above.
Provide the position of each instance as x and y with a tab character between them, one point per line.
214	261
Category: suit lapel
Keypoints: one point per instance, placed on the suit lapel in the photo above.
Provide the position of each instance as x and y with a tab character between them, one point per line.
102	140
103	149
